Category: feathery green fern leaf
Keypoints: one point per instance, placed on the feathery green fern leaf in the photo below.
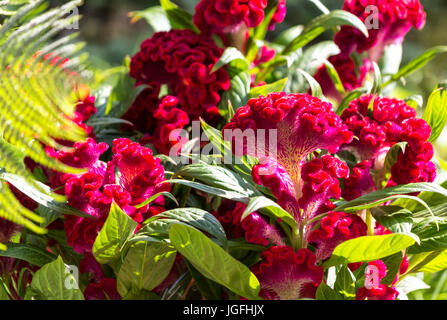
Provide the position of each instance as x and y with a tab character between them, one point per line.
36	93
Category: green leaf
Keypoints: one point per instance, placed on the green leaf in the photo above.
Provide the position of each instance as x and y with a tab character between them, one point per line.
213	262
30	253
230	195
240	85
323	23
345	283
277	86
155	197
116	230
393	154
230	54
155	16
145	266
218	177
314	85
416	64
45	199
54	281
352	95
437	264
370	248
270	208
433	235
179	18
436	113
333	74
195	217
123	94
388	192
396	219
324	292
392	263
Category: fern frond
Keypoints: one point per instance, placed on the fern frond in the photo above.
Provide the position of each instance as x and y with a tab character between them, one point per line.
36	93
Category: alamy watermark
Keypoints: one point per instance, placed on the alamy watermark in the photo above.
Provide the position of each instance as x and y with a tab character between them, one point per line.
372	21
261	144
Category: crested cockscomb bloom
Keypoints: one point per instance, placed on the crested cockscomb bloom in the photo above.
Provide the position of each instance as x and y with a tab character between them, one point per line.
140	173
379	125
141	113
223	16
183	60
129	179
394	17
335	228
103	290
264	55
360	181
376	290
350	77
170	120
288	275
279	14
227	16
253	228
321	182
301	124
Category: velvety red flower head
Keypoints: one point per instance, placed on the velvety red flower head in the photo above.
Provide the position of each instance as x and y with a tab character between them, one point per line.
347	71
141	113
226	16
334	229
104	290
377	291
360	181
128	180
288	275
253	228
395	19
183	60
287	129
140	173
387	122
170	120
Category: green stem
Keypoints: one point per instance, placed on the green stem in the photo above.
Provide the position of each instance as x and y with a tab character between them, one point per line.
370	223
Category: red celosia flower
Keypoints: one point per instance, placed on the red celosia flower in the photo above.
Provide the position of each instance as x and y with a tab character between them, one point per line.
288	275
141	113
183	60
335	228
104	290
254	228
93	192
264	55
346	69
139	172
360	181
222	16
302	123
396	18
170	119
389	122
376	290
226	16
320	177
279	15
